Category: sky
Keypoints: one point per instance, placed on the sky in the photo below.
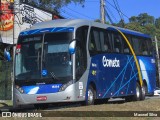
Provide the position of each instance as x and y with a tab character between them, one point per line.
91	9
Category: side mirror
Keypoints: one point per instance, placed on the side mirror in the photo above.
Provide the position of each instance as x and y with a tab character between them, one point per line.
72	47
7	55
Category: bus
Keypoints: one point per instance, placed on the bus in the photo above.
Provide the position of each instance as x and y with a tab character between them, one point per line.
81	61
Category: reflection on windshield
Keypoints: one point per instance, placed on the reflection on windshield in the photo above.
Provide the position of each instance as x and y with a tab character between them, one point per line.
52	56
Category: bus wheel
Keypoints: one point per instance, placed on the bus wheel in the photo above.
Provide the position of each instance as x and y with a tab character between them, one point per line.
137	96
91	96
41	106
143	92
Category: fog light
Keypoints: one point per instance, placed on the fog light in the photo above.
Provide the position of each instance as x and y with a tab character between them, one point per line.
64	86
19	89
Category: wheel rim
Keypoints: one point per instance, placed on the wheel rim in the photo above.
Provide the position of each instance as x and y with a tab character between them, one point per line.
143	90
137	92
90	96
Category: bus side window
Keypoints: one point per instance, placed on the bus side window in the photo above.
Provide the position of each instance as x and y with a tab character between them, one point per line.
117	43
149	46
143	46
97	40
126	49
94	42
92	45
136	45
105	41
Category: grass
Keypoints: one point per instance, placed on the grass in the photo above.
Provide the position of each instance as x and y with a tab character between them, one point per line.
146	105
6	103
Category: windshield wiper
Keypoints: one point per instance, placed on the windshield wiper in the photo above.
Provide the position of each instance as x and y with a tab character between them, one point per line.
53	75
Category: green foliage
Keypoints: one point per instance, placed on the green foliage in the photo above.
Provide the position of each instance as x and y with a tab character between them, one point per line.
144	23
5	80
54	5
145	19
157	23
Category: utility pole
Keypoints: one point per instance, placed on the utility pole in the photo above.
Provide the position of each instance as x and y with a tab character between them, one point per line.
158	61
102	7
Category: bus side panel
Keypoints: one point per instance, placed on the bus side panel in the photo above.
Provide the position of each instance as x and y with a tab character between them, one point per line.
115	75
148	70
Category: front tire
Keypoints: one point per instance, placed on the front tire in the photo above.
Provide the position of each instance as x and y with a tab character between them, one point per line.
91	96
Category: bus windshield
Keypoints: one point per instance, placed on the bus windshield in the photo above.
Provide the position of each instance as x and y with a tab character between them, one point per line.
43	56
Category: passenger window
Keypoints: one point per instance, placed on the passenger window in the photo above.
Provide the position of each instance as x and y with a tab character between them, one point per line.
143	47
92	44
94	41
149	45
97	40
136	45
117	43
105	46
126	49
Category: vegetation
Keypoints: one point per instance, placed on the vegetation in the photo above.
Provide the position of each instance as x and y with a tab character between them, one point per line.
53	4
143	23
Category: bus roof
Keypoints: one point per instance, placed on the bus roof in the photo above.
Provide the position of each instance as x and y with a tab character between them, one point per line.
80	22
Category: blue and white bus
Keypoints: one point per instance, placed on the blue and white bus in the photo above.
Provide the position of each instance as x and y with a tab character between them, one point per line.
81	60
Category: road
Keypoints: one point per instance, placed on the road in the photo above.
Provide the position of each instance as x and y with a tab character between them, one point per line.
54	107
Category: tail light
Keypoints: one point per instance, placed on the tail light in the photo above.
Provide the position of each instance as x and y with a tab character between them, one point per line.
18	48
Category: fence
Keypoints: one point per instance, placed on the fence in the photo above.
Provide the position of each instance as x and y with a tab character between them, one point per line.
5	80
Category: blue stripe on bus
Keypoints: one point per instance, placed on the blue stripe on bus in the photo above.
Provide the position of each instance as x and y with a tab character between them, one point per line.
125	31
46	30
121	81
123	71
128	81
41	89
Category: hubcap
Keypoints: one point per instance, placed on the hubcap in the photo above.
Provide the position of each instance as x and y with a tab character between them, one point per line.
137	92
90	96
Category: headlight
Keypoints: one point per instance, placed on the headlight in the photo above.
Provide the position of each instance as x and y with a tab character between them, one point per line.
19	89
64	86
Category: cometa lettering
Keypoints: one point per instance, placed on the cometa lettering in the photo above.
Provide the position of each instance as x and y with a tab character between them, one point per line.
110	62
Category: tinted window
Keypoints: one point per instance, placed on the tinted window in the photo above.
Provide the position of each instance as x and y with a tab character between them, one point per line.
142	46
99	41
117	42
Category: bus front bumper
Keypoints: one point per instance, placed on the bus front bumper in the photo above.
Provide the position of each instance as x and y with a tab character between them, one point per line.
69	95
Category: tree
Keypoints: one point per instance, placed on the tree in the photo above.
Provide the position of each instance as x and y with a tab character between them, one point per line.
52	4
121	23
133	19
150	29
157	23
145	19
135	26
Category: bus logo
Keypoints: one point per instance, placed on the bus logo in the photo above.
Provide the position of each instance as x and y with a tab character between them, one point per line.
110	62
44	72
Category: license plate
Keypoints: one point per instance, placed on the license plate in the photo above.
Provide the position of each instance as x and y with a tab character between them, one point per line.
41	98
